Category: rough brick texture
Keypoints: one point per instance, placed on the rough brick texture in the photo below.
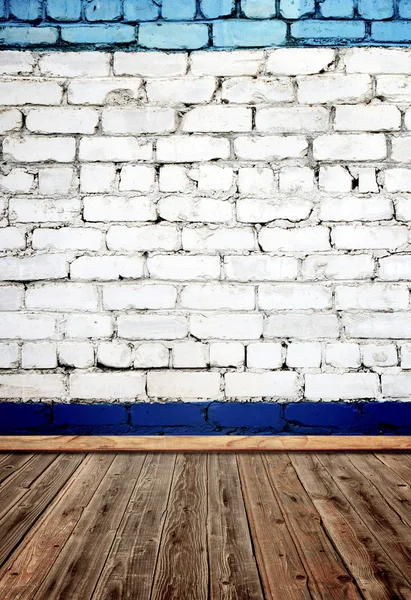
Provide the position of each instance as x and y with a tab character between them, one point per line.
213	227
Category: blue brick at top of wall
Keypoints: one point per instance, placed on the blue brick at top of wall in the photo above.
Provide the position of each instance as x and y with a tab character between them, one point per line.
202	24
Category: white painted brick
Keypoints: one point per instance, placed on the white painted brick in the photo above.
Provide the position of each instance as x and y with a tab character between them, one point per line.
11	238
278	385
373	117
197	210
338	267
97	178
222	239
67	238
152	327
335	179
31	268
401	149
270	147
148	238
104	268
137	178
76	354
293	119
118	208
226	326
28	386
279	206
11	297
377	60
299	61
213	177
393	88
62	296
353	237
16	63
100	91
291	296
358	147
151	355
397	180
62	120
380	325
226	354
10	120
379	355
56	180
375	296
17	92
39	355
114	149
183	268
247	90
9	356
107	386
84	326
343	356
407	120
405	356
260	268
302	326
145	296
367	181
75	64
352	208
174	178
403	209
39	149
347	386
187	90
306	354
256	181
264	356
17	181
150	64
225	63
218	297
333	88
190	355
395	268
296	179
138	120
114	354
183	148
396	386
28	210
307	239
22	326
176	384
217	119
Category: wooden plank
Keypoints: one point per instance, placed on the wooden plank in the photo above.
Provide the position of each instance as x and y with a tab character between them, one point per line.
129	570
396	491
376	575
74	574
10	463
180	443
182	569
281	569
233	569
328	577
399	463
369	503
22	574
15	524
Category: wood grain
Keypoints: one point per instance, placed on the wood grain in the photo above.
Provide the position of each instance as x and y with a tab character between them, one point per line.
10	463
399	463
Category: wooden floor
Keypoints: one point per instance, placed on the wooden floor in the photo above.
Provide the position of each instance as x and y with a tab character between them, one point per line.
205	526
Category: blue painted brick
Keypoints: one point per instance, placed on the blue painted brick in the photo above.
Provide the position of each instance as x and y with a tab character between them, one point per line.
141	10
309	414
213	9
3	12
337	9
26	10
295	9
101	10
179	10
64	10
173	36
168	415
23	417
248	34
333	31
376	9
15	35
245	414
391	31
98	34
258	9
391	414
89	414
404	9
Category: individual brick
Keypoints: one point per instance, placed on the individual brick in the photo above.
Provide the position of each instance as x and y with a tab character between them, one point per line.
150	64
396	386
11	238
192	148
140	297
377	60
173	36
138	120
39	355
356	209
302	326
380	325
17	180
24	210
375	355
152	327
106	386
293	119
203	210
141	10
214	9
16	36
367	118
320	31
305	354
346	386
376	9
217	119
114	149
187	90
343	356
146	238
97	178
26	10
375	296
55	180
32	268
105	268
270	147
174	178
117	208
333	89
395	268
102	11
100	91
226	63
21	326
256	181
217	297
61	10
296	179
95	34
246	90
226	326
295	9
183	10
74	64
240	33
39	149
213	177
166	384
352	237
10	120
356	147
338	267
183	267
20	62
62	120
264	356
190	355
276	385
9	355
337	9
83	326
28	386
11	297
260	268
205	239
79	355
152	355
335	179
299	61
294	296
258	9
312	239
114	354
62	297
226	354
